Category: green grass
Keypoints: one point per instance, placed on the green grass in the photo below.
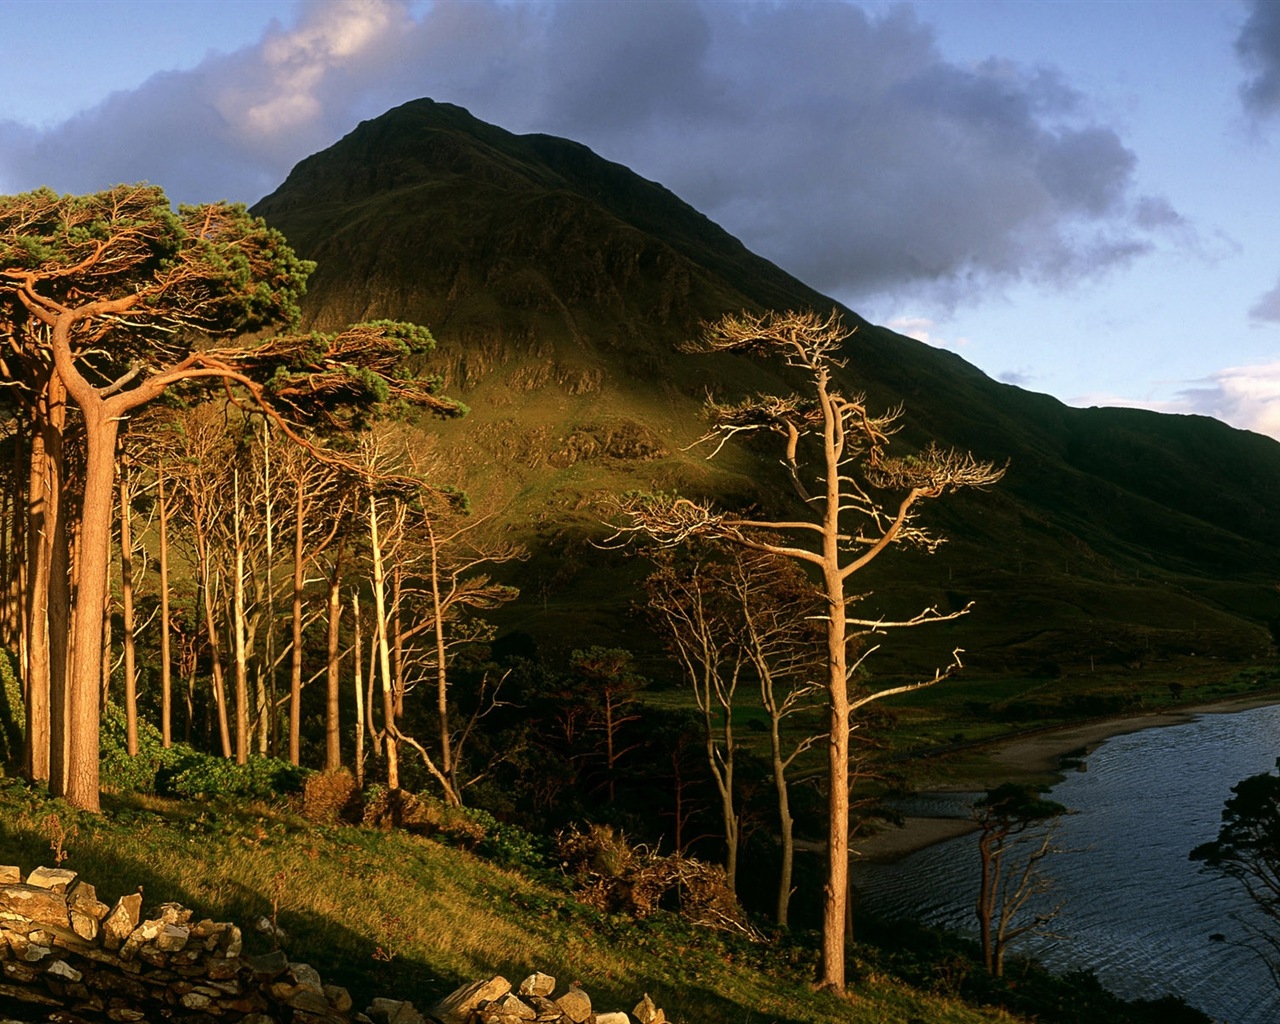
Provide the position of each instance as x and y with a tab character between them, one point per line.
389	913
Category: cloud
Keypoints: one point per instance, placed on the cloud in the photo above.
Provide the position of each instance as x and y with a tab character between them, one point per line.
1247	397
1258	46
839	143
1268	306
922	328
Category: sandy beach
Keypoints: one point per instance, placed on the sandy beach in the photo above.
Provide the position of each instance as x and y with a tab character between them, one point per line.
1040	752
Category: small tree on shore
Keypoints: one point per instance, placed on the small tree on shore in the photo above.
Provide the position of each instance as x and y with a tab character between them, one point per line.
1016	827
1248	850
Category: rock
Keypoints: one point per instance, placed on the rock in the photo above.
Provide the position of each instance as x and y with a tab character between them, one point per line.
62	969
269	965
83	897
310	1000
458	1005
55	879
195	1000
10	875
84	925
646	1013
172	938
230	941
614	1017
19	902
339	998
538	984
575	1005
120	922
394	1011
306	976
510	1008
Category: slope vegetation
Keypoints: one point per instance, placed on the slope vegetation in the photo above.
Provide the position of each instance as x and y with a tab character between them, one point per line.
560	287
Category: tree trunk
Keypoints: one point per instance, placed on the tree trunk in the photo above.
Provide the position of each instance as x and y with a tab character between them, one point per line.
80	787
166	655
126	611
332	735
381	624
442	668
295	662
987	897
358	655
43	490
835	894
786	837
242	668
215	652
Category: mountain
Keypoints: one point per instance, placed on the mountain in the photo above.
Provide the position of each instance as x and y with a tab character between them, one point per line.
559	286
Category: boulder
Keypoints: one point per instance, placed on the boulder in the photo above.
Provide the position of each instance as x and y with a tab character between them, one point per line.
57	879
33	903
122	919
537	984
458	1005
575	1005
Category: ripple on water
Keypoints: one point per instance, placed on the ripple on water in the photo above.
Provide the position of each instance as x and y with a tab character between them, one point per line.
1138	912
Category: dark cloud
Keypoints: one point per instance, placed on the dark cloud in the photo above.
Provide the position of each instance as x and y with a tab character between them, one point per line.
838	143
1268	306
1259	47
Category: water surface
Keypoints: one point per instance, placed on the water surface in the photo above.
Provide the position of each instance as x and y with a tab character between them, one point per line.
1138	912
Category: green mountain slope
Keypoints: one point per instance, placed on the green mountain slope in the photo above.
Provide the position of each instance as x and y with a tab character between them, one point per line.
559	286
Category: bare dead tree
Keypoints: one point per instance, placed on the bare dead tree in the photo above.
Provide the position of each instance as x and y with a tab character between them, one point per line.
857	502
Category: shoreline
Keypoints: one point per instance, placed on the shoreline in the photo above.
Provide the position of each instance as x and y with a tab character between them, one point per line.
1040	753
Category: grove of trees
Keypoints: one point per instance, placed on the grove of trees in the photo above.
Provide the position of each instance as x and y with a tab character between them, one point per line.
250	519
109	302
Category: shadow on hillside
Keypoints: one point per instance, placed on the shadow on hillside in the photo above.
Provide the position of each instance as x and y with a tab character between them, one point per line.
361	956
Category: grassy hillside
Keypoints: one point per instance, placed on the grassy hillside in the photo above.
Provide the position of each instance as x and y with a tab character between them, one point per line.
389	913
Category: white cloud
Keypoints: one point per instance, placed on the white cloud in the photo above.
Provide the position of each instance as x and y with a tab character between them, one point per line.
1247	397
922	328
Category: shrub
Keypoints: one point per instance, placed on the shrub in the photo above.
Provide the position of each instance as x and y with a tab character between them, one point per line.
328	795
118	771
194	774
611	874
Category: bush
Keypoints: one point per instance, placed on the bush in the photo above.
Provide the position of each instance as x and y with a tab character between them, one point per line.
329	795
612	875
195	775
117	771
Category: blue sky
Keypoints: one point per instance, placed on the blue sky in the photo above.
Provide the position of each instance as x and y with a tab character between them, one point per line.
1082	198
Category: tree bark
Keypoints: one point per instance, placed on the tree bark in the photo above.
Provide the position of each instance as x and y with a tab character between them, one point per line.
382	625
126	611
332	733
295	661
166	655
242	668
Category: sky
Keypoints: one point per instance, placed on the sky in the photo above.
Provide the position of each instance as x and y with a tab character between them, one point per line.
1081	198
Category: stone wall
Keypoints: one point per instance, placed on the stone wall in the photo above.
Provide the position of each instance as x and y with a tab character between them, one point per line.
67	957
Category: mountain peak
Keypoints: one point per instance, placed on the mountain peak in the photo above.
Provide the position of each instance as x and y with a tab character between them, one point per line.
560	286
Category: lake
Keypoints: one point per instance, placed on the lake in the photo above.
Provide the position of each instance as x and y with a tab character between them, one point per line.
1138	912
